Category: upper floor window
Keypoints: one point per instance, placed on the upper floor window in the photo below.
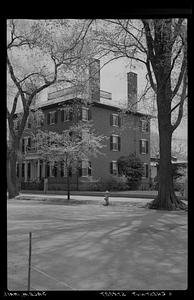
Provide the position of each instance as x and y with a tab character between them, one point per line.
115	120
144	126
115	142
66	115
143	146
114	167
52	117
26	144
86	114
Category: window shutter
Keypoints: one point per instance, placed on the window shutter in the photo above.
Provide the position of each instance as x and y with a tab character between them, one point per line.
111	142
29	142
70	115
111	119
80	171
56	115
89	114
147	147
48	118
119	143
23	145
62	115
89	169
111	168
140	146
119	121
147	126
146	170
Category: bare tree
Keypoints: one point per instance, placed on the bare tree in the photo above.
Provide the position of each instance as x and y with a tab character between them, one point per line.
39	54
161	46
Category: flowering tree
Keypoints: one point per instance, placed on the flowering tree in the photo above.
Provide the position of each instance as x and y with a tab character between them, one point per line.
73	145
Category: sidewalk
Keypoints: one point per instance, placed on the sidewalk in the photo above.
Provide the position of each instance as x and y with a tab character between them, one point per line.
87	199
88	195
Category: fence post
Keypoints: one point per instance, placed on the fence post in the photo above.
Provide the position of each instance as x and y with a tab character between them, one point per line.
29	259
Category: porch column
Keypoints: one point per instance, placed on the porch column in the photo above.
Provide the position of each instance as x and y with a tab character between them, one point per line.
31	170
38	170
25	170
43	169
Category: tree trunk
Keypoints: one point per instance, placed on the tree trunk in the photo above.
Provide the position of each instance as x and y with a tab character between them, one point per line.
68	185
11	175
166	199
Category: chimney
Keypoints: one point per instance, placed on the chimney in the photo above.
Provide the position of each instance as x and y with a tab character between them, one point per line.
94	80
132	91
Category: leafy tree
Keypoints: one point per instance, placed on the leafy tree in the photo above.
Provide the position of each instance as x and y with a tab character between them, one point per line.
131	167
160	45
40	53
73	145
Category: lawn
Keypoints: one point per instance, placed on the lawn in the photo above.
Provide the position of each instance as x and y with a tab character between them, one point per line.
93	247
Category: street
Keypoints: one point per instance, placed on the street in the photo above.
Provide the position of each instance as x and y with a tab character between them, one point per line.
92	247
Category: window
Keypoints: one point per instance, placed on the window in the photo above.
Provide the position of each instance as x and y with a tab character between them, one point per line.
115	142
54	170
52	117
66	115
86	114
146	170
29	144
86	168
144	126
143	146
114	120
26	144
114	167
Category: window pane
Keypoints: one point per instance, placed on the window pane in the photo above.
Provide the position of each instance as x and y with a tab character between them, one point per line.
84	114
115	120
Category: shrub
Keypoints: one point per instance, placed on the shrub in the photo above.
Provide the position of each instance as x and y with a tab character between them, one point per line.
131	167
113	183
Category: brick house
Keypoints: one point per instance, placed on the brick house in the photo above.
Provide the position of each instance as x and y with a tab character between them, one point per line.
127	133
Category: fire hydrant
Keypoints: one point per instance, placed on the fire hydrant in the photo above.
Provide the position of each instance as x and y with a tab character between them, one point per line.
106	198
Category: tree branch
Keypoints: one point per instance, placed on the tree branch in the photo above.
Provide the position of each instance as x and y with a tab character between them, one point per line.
153	85
14	104
13	77
150	42
183	97
180	78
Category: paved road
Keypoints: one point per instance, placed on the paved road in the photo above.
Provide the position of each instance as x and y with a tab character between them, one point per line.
92	247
